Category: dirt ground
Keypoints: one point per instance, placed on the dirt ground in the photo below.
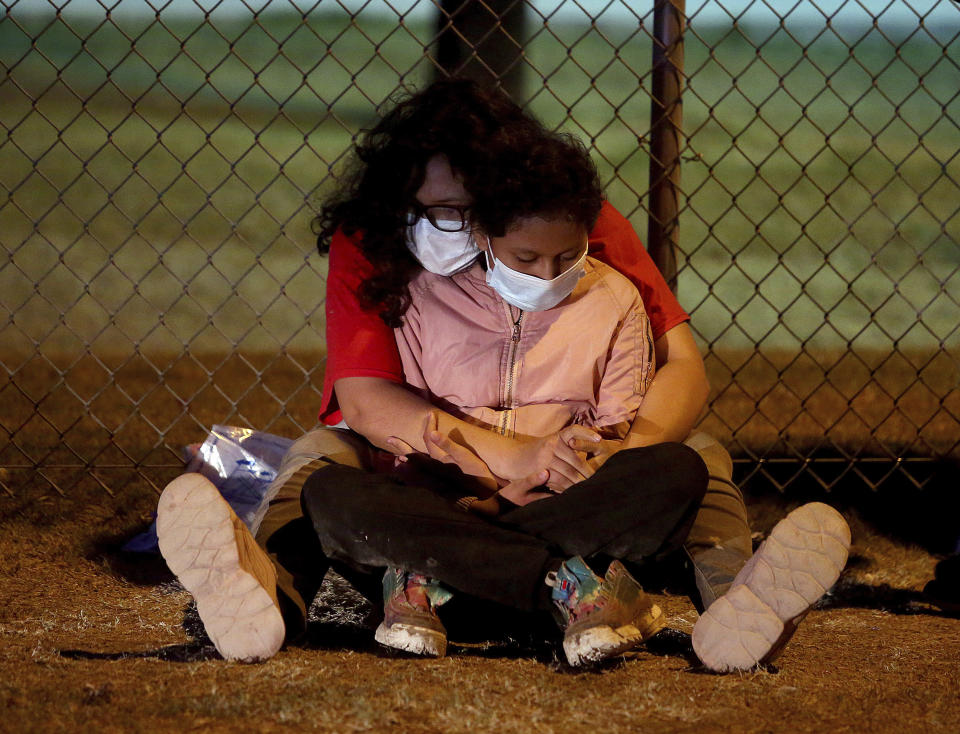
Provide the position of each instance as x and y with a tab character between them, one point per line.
97	640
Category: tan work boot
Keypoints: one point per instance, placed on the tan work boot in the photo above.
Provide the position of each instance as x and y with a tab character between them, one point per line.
217	560
796	565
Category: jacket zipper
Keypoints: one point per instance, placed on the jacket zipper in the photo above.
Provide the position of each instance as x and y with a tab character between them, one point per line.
511	373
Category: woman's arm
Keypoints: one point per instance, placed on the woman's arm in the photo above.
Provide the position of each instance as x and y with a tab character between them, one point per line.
673	401
676	396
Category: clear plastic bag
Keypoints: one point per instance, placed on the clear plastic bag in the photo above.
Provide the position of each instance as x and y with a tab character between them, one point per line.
241	462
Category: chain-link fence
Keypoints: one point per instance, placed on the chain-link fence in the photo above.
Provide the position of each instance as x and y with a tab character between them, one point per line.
159	166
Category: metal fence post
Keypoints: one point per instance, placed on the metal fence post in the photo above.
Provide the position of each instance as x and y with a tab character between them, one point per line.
666	128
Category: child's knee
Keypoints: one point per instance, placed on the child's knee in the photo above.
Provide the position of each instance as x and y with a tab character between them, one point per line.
674	467
687	468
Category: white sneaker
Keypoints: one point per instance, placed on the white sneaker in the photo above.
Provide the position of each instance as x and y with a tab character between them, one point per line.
217	560
796	565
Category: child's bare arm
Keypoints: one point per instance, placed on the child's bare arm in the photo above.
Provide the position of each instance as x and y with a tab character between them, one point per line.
380	410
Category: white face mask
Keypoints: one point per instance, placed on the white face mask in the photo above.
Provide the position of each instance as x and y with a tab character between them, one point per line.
443	253
528	292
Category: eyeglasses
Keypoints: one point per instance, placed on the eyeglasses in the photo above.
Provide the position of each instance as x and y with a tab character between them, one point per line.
445	217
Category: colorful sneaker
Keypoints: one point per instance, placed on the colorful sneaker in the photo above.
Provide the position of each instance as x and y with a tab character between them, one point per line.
796	565
601	617
410	621
217	560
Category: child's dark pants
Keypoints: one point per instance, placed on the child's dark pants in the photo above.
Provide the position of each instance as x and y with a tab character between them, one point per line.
638	507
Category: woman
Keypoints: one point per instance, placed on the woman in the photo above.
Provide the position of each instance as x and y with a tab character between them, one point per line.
446	140
533	337
446	155
437	149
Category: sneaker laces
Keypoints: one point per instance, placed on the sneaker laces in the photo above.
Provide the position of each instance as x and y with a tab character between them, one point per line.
415	589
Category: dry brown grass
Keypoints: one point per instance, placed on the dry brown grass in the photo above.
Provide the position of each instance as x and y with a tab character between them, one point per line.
92	640
122	418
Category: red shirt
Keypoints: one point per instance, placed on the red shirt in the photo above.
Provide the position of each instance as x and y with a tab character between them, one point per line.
359	344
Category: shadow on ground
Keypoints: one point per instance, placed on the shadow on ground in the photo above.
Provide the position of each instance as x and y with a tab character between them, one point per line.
911	500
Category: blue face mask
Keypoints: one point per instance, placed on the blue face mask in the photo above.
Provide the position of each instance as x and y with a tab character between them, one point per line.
443	253
528	292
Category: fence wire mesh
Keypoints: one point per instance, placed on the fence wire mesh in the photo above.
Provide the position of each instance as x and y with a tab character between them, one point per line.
160	165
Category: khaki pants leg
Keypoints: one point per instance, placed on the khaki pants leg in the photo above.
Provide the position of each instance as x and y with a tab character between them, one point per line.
720	541
286	535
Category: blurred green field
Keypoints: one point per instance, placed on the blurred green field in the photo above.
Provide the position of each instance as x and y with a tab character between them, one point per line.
159	175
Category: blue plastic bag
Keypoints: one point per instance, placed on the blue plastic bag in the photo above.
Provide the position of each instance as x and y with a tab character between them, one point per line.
241	463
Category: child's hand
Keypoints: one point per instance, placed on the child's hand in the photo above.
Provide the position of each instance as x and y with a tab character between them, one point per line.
566	466
529	489
444	449
469	468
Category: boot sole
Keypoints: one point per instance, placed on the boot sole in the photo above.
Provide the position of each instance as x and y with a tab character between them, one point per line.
603	641
197	532
793	568
413	639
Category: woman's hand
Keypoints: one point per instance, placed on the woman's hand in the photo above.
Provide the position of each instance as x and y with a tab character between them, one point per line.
528	489
602	451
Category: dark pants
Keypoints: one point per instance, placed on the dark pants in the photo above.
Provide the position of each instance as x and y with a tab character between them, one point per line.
638	507
719	542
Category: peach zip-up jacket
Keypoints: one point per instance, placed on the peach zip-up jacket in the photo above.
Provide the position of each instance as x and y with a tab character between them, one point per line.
588	360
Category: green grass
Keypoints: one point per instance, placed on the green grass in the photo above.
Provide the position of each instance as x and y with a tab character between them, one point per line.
167	168
159	178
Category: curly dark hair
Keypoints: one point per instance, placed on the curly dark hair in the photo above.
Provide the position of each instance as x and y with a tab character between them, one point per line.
507	160
553	177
